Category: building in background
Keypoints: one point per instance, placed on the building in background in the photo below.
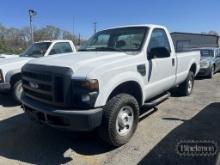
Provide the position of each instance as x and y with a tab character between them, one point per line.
185	41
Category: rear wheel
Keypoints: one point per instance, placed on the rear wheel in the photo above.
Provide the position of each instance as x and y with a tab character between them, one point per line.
186	87
120	120
17	91
212	72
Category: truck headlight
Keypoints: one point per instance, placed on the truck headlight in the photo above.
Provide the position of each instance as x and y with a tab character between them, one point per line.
90	84
204	64
1	76
85	93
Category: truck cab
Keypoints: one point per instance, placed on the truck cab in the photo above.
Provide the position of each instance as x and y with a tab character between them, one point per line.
10	68
116	73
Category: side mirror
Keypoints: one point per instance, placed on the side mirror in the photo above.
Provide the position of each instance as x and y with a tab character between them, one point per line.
159	52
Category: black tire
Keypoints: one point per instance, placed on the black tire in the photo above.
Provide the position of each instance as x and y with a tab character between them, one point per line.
108	130
184	88
212	72
16	91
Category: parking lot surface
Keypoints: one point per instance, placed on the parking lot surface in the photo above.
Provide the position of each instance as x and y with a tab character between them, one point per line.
196	117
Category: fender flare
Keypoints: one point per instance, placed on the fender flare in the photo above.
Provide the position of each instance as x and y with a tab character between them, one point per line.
11	73
115	81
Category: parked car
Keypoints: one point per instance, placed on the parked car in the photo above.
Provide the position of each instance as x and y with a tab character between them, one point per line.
210	61
104	86
10	68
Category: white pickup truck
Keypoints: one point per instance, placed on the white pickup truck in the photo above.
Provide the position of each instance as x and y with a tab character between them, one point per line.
10	67
116	73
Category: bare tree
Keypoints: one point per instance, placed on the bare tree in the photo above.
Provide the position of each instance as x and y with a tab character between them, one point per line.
47	33
13	40
212	32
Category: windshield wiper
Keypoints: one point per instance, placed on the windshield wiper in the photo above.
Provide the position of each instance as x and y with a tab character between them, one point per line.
112	48
83	49
101	48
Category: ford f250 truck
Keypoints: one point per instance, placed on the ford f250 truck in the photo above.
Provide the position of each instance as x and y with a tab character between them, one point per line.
116	73
10	68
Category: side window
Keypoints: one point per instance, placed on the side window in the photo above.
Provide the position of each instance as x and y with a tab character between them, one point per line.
59	48
159	39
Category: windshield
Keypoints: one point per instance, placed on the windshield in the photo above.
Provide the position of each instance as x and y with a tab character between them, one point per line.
120	39
36	50
207	53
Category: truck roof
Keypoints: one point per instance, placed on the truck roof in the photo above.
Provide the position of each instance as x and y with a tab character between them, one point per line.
53	41
138	25
211	48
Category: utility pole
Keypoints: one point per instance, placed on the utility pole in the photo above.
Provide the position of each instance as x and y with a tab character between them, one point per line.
79	40
73	25
31	14
74	39
95	26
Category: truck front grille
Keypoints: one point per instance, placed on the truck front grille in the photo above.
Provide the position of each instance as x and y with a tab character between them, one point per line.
47	84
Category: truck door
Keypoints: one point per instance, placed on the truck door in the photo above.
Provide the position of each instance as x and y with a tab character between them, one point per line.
162	68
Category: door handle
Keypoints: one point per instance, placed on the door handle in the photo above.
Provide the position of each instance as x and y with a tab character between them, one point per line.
173	62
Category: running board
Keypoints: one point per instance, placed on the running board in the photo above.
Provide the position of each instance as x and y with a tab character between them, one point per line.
157	101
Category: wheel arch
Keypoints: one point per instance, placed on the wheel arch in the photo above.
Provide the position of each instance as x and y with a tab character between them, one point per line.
129	87
14	78
10	74
214	64
193	68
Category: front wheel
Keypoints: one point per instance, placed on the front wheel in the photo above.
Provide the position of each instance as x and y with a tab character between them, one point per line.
120	120
186	87
17	91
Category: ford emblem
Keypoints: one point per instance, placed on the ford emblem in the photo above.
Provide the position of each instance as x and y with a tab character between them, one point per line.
34	85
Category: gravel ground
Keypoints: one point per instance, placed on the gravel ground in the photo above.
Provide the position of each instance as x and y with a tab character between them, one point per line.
180	118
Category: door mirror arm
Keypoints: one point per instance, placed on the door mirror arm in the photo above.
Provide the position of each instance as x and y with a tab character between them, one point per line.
149	55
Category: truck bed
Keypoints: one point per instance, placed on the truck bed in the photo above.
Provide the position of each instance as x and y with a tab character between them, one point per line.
184	62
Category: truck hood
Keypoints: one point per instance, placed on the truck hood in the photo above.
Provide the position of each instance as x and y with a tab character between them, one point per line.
10	66
8	56
83	62
14	61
